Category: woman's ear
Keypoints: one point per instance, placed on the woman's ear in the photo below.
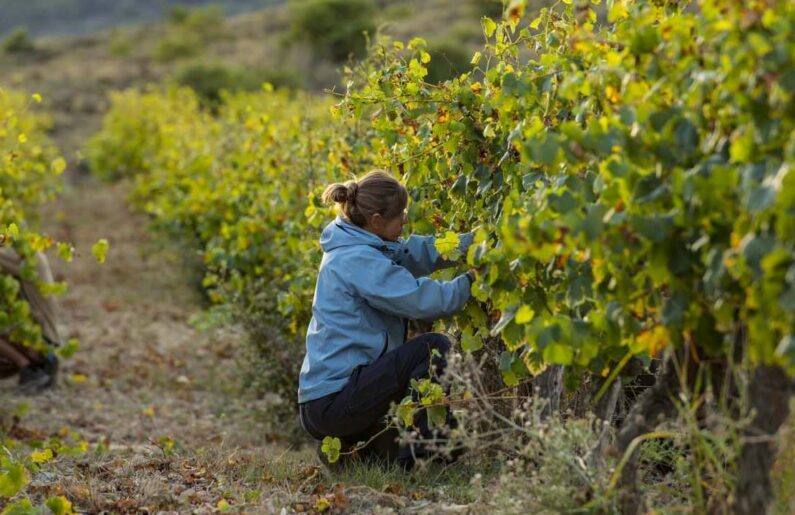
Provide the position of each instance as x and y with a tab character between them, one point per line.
377	222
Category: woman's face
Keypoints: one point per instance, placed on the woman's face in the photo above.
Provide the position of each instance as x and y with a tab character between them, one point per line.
389	229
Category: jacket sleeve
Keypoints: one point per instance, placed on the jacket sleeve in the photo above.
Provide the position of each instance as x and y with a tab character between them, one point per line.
392	289
419	255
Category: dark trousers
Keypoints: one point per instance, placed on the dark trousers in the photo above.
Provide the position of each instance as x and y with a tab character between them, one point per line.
357	412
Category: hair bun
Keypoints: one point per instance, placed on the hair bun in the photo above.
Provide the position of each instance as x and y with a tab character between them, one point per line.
339	194
353	188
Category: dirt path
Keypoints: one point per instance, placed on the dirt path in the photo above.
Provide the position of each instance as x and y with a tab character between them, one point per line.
145	378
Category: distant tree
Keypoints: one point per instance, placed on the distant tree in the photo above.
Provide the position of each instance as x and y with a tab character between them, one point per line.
178	14
18	41
209	79
490	8
334	28
449	58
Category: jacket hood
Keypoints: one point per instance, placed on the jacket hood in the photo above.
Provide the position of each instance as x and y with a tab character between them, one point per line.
342	233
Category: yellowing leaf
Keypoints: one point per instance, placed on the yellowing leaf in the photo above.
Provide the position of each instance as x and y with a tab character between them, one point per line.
100	250
617	11
489	27
42	456
653	340
22	138
515	10
13	479
13	230
331	447
524	314
447	245
322	504
58	165
417	43
612	94
65	251
36	98
60	505
79	378
405	412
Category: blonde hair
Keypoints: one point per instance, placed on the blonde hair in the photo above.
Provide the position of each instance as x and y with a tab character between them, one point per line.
376	192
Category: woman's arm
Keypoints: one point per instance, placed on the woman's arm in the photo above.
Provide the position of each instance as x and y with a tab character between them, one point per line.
419	255
391	288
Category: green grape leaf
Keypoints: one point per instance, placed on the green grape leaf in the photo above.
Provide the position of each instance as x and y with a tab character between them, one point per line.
447	246
66	251
470	342
68	350
405	411
558	354
437	415
22	507
524	314
100	250
489	26
13	479
331	447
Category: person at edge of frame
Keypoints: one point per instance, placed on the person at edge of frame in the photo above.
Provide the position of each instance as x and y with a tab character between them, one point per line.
37	370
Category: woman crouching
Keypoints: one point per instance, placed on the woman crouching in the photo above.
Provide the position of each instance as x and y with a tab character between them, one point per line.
371	282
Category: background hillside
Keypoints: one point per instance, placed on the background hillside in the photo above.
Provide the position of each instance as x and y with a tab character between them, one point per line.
61	17
204	48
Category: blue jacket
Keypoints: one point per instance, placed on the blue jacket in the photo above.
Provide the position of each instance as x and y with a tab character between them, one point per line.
367	289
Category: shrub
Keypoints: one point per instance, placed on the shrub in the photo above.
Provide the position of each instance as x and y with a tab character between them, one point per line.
208	21
490	8
178	44
178	14
120	44
448	59
18	41
209	79
191	30
334	28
